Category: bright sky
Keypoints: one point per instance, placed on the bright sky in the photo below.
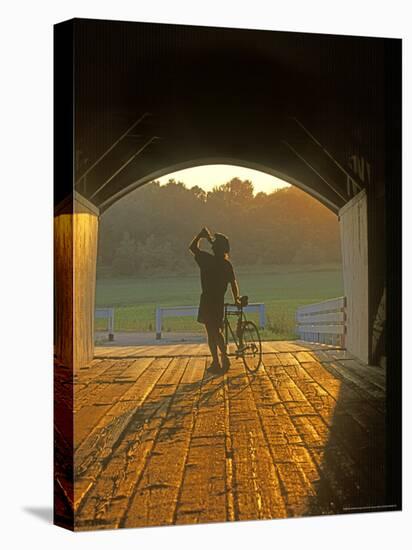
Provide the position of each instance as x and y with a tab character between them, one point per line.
211	175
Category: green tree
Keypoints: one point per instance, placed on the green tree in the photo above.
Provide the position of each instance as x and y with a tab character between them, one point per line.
124	262
148	230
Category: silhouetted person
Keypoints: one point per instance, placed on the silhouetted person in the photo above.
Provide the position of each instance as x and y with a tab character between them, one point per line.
216	271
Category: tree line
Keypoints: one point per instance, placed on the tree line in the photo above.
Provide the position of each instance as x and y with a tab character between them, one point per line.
148	231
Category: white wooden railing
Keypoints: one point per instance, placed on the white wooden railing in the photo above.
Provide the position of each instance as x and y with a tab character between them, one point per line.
106	313
191	311
324	322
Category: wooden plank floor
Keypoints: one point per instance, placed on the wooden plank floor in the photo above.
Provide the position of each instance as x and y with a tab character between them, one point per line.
160	441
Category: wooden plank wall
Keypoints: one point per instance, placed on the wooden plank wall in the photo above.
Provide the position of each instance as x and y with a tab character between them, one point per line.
85	258
354	241
75	255
63	288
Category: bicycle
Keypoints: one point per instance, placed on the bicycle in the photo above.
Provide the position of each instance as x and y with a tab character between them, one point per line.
246	339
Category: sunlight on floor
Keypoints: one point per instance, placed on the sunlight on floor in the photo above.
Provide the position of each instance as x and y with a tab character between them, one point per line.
161	441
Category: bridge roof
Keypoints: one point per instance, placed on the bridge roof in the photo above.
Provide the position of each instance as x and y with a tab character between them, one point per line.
203	95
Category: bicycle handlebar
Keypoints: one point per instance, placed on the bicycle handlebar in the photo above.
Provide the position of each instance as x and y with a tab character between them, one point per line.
243	302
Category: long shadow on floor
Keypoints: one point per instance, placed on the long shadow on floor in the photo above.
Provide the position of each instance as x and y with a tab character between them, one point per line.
352	473
139	422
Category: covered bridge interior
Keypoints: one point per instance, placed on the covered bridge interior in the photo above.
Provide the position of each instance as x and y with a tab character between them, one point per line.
319	111
308	108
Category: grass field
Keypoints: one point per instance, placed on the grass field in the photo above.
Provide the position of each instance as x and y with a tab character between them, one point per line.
281	288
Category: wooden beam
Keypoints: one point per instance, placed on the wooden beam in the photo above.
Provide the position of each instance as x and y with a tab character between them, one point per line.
75	255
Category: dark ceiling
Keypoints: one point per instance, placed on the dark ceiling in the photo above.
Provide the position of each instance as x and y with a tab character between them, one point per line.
215	93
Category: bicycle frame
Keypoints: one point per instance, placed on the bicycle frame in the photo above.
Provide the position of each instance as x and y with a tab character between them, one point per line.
228	327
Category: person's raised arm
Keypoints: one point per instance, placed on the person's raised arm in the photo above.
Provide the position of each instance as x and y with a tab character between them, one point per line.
203	234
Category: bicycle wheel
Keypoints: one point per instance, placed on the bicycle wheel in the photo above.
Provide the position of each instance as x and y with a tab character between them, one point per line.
252	346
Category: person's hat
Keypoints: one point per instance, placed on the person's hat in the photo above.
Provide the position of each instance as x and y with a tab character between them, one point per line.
221	242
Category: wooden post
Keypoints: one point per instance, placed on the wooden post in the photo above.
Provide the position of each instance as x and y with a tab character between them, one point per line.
158	323
111	325
75	256
262	316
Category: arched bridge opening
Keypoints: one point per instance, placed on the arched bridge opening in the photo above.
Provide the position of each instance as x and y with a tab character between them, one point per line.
307	108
